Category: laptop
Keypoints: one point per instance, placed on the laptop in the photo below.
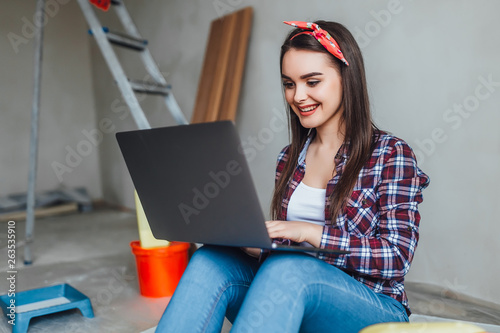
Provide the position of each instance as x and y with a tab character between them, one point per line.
195	186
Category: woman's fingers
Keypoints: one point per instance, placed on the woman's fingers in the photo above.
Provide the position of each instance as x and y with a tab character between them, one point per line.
285	229
275	229
251	251
297	231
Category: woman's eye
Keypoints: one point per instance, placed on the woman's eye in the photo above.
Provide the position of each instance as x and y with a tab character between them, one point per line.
312	83
288	85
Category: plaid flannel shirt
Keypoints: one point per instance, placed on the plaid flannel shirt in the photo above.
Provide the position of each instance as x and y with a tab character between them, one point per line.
380	222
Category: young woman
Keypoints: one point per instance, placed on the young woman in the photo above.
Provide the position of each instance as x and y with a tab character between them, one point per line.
340	184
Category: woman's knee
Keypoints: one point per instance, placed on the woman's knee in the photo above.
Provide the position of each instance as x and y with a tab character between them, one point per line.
296	270
209	257
217	262
282	271
206	253
297	264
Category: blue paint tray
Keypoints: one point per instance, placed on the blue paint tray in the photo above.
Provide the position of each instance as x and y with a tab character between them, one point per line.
43	301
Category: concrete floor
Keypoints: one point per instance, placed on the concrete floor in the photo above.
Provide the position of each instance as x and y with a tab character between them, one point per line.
91	252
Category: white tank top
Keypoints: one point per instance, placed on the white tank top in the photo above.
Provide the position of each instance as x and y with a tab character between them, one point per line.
307	204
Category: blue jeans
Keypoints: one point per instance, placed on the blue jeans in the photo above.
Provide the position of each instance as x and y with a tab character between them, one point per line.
288	292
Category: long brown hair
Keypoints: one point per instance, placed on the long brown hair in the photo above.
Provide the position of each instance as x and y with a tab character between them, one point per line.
356	118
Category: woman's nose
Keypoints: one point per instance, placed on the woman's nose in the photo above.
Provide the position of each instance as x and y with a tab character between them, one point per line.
300	94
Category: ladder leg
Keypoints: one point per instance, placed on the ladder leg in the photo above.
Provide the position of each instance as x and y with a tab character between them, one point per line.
149	63
35	111
175	110
129	26
114	64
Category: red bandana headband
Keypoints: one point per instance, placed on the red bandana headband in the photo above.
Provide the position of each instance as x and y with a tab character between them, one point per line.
321	35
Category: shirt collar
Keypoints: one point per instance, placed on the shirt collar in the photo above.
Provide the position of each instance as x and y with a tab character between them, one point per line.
302	156
344	150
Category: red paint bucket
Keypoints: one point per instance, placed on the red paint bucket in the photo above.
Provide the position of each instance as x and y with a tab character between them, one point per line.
159	269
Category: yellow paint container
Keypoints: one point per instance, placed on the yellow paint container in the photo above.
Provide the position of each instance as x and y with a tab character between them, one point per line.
145	235
456	327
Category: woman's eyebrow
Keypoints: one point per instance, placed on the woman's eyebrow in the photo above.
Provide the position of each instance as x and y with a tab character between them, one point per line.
302	77
308	75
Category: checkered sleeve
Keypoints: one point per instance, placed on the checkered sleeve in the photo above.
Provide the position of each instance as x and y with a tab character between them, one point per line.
383	237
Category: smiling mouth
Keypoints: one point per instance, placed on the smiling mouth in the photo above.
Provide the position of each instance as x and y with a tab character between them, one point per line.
308	110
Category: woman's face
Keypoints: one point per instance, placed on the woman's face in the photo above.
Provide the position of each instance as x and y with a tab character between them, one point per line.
313	88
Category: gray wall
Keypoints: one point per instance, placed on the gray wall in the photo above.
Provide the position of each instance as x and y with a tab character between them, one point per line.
422	62
67	158
427	65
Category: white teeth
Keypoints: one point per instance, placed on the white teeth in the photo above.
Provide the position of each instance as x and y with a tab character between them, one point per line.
310	108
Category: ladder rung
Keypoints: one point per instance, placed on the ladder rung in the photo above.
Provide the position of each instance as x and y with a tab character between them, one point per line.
126	41
150	87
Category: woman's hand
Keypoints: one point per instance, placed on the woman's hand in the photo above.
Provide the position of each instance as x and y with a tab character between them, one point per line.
296	231
252	251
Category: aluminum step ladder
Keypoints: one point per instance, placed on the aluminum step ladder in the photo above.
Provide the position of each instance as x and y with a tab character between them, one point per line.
131	39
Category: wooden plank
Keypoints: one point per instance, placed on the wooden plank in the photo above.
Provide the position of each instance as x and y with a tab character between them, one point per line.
221	69
41	212
220	82
236	70
208	72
